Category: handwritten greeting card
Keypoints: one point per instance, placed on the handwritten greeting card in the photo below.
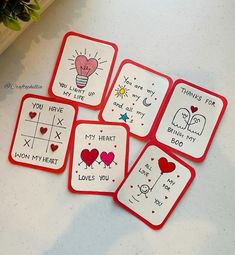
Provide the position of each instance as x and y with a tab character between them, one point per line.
43	133
136	98
83	70
99	158
191	119
154	186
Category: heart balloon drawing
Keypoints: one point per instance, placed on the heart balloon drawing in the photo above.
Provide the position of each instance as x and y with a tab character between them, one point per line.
89	157
165	165
85	68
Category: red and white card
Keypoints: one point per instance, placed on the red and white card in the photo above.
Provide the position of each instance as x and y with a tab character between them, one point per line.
83	70
190	120
154	185
43	133
100	157
137	96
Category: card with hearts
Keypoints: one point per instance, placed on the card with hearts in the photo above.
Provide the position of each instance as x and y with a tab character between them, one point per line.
99	159
154	185
137	97
190	120
83	70
43	133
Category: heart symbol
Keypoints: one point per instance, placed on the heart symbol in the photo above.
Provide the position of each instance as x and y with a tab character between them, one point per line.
107	158
54	147
32	114
43	130
84	66
193	109
89	156
165	165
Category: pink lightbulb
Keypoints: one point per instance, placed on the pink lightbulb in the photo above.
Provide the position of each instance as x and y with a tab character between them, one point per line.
85	68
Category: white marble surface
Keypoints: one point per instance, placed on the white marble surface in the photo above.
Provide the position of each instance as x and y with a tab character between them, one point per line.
190	39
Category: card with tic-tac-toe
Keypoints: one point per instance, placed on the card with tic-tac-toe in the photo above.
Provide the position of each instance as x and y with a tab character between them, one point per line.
137	97
83	70
99	159
154	186
190	120
43	133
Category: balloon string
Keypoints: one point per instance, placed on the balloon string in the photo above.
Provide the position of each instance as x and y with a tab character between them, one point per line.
157	180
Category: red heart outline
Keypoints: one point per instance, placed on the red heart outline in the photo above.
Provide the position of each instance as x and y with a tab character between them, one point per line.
165	165
89	156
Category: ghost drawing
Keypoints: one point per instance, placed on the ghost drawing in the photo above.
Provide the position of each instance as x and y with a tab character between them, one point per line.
197	124
181	118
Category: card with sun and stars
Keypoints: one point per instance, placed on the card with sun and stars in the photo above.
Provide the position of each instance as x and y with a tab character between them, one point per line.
100	157
137	97
154	185
83	70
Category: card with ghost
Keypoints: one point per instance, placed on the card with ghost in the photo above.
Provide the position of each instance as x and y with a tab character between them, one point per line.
137	97
154	185
190	120
43	133
83	70
100	157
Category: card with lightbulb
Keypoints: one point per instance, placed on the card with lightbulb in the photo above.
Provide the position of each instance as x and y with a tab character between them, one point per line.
137	97
154	185
99	159
43	133
190	120
83	70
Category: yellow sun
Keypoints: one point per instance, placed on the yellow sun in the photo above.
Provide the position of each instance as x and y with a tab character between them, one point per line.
121	91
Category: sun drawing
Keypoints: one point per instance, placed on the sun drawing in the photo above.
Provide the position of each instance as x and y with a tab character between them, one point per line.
121	91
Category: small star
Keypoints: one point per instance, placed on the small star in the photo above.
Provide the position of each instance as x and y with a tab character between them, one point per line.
124	117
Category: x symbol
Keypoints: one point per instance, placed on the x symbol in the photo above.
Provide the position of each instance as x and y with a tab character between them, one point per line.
60	122
27	142
58	134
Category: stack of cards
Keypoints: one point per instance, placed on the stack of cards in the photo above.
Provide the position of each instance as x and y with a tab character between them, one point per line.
178	117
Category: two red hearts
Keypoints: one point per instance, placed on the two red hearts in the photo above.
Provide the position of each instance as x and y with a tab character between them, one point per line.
89	157
165	165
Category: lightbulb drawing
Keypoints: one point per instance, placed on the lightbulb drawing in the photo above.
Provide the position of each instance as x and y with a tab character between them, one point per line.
85	66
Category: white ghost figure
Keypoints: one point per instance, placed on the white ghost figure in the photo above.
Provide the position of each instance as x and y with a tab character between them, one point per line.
181	118
197	124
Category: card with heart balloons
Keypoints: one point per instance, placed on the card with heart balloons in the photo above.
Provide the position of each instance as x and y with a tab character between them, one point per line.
43	133
137	96
154	185
99	159
190	120
83	70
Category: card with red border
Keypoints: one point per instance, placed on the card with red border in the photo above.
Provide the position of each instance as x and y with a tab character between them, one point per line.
136	98
99	159
43	133
154	185
190	120
83	70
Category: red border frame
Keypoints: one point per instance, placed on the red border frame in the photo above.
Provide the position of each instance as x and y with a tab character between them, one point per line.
192	171
224	101
164	102
59	170
94	107
70	188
